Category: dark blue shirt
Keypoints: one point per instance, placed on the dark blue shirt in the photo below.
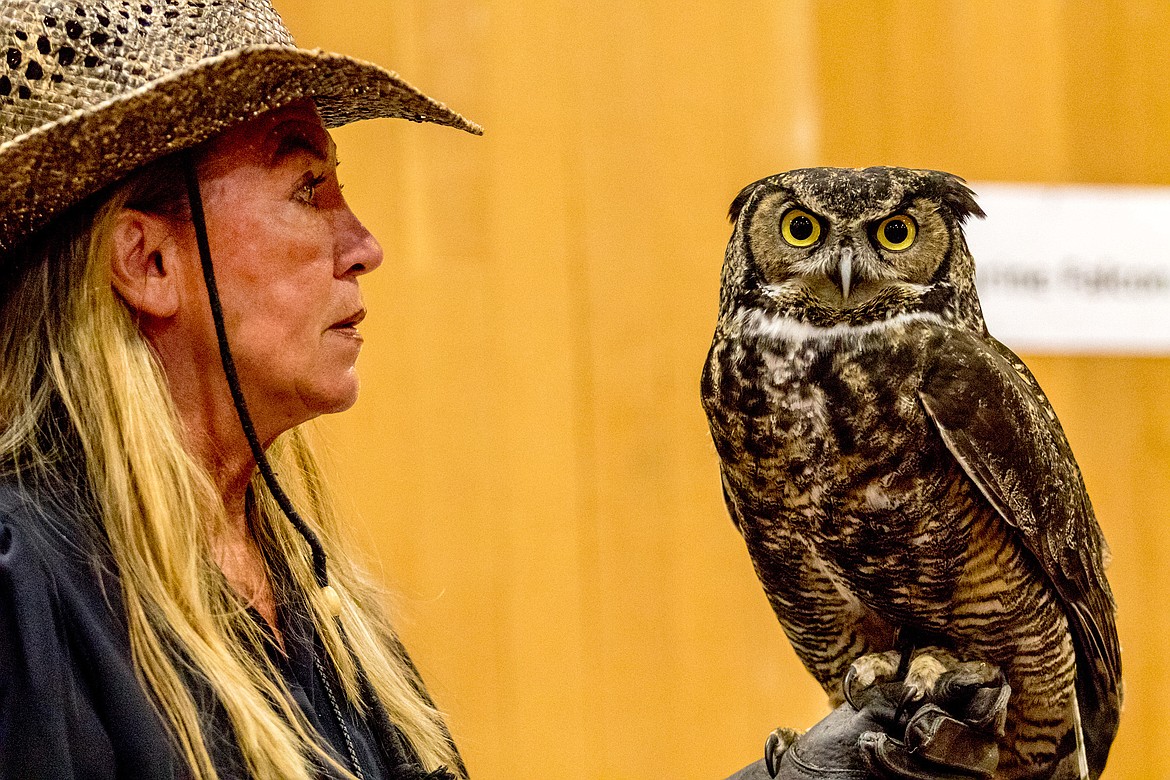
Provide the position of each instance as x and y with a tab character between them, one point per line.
71	704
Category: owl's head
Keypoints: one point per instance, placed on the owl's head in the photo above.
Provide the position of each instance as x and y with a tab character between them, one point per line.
828	246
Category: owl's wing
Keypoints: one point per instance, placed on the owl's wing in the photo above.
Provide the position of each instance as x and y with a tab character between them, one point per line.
995	420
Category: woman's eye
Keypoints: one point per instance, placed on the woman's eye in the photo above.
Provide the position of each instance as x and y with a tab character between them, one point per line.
897	232
307	193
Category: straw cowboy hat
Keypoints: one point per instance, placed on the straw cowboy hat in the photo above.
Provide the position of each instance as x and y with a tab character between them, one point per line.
92	89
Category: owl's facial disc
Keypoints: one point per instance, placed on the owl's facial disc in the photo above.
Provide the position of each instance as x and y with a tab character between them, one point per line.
814	251
841	246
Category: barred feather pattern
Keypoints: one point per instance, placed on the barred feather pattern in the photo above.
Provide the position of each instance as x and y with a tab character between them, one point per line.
859	522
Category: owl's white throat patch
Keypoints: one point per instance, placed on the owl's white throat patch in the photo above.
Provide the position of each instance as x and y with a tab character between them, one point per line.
753	322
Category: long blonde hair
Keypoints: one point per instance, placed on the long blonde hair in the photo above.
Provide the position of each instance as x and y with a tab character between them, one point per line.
81	391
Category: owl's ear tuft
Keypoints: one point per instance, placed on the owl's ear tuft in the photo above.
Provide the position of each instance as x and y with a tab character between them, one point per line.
957	196
742	198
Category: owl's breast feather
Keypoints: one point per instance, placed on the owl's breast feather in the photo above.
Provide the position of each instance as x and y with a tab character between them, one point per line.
807	402
822	434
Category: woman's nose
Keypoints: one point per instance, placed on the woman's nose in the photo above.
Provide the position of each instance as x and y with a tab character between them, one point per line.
358	252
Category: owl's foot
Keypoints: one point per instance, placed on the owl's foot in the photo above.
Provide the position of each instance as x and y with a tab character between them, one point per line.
868	670
936	675
777	745
968	676
931	672
926	667
923	672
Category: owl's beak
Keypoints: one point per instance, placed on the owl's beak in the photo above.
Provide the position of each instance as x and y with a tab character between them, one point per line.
845	271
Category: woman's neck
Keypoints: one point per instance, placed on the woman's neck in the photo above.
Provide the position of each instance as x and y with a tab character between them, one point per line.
233	542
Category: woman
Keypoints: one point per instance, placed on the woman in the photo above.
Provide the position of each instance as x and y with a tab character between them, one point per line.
166	610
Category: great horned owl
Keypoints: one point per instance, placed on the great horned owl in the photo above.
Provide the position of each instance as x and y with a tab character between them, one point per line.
895	470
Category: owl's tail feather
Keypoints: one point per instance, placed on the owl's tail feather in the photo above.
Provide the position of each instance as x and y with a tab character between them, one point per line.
1082	756
1098	689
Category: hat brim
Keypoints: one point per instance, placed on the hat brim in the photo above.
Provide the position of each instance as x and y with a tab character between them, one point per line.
54	166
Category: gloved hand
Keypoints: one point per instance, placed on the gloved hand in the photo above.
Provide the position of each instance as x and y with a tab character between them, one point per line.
948	735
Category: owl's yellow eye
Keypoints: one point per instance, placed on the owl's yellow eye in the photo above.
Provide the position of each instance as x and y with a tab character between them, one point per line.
896	233
799	228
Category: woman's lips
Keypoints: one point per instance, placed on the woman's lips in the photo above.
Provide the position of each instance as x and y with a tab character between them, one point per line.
348	326
350	322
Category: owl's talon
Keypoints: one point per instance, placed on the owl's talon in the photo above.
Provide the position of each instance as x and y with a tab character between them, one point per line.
868	670
847	687
926	669
776	746
908	698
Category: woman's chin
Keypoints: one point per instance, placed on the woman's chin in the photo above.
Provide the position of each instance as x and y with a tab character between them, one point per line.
340	397
308	400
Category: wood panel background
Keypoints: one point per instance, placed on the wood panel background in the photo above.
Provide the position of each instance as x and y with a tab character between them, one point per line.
529	467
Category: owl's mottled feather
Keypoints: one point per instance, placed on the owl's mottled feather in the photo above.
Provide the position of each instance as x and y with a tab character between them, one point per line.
894	470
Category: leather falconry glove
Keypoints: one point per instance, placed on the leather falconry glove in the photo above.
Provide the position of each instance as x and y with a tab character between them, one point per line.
881	734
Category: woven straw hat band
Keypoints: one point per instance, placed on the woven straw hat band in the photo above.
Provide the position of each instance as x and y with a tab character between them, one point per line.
61	57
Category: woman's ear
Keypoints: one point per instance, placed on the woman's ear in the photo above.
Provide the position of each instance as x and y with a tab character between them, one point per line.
142	263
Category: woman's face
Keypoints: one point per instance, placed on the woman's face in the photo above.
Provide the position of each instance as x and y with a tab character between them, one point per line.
287	253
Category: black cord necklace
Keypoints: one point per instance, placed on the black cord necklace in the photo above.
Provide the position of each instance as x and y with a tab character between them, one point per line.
349	748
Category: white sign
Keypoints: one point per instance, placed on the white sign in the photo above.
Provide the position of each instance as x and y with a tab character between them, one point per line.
1074	268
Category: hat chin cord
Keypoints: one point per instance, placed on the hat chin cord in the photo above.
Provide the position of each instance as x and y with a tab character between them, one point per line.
328	594
391	736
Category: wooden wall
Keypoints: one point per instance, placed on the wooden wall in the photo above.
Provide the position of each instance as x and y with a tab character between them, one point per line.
529	466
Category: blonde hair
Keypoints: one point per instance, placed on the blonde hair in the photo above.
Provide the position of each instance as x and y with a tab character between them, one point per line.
81	392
